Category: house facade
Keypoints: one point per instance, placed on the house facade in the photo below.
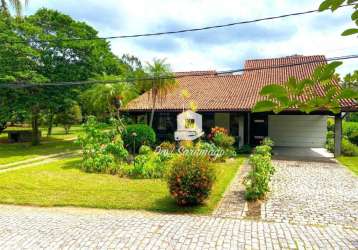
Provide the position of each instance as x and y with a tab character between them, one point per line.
227	100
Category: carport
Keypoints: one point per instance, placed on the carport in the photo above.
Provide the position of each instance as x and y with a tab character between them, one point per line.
296	134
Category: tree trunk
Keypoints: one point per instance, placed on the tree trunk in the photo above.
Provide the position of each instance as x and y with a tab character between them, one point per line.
2	126
153	110
35	128
50	124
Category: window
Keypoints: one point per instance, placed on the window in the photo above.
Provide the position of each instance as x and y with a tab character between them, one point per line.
189	123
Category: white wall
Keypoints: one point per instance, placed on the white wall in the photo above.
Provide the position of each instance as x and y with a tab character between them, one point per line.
298	130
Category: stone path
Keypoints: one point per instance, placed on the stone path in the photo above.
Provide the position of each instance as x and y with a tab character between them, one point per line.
233	204
70	228
316	193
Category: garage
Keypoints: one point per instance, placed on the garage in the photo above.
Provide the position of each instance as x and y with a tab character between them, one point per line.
298	130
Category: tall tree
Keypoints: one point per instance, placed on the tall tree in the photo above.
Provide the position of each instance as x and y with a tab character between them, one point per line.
16	4
162	80
55	59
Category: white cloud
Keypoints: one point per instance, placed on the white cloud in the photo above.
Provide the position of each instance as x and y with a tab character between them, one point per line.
309	34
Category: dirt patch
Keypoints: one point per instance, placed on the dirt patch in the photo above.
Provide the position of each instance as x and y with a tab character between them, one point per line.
254	209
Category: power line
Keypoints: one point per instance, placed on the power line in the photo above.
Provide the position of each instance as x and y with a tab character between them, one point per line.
173	32
224	72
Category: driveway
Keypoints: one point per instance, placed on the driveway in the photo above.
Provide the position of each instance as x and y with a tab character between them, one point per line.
312	193
70	228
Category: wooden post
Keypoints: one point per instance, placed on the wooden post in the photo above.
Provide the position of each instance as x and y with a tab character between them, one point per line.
337	135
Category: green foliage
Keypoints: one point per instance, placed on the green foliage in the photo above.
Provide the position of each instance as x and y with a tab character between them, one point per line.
162	81
190	179
263	150
281	97
72	115
102	150
330	124
245	149
100	99
349	128
335	4
144	150
268	142
258	179
149	165
223	140
213	152
348	148
137	135
167	145
354	137
47	62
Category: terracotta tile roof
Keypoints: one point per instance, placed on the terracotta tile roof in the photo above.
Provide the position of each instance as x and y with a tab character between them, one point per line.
213	92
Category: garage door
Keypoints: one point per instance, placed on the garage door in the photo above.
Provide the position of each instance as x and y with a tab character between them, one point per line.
298	130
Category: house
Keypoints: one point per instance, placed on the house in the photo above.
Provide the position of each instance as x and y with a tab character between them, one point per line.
227	100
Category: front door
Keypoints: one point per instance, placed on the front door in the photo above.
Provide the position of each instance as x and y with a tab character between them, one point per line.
258	128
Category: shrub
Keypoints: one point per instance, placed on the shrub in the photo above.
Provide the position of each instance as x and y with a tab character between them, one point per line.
330	124
223	140
102	150
245	149
137	135
263	150
258	179
211	151
216	130
354	137
349	128
144	150
330	135
348	148
190	179
148	166
186	144
330	145
166	145
267	141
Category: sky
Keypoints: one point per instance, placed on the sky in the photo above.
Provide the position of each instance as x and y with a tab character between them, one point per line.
219	49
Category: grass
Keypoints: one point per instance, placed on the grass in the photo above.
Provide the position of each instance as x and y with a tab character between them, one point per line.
58	142
63	184
350	162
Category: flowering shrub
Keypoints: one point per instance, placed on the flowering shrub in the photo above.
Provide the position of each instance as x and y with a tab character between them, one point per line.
216	130
101	149
258	179
190	179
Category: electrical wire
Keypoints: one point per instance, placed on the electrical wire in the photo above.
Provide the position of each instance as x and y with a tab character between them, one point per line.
173	32
200	74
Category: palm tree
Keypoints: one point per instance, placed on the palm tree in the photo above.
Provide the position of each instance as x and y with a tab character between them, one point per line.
101	98
162	80
17	5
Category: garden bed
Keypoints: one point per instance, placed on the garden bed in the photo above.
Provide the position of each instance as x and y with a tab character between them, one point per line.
63	184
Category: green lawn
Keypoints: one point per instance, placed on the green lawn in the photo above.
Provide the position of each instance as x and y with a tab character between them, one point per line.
63	184
350	162
57	143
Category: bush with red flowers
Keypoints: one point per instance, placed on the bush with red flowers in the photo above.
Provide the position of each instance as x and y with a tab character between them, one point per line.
190	179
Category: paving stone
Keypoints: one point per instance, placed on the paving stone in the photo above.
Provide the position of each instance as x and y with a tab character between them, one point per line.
60	228
312	193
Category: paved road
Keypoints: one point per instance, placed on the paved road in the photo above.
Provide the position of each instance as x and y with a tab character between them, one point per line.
61	228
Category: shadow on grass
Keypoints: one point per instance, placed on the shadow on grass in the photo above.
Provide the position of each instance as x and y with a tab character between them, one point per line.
162	203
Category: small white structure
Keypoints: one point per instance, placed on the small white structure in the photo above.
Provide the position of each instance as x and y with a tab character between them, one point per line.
189	126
